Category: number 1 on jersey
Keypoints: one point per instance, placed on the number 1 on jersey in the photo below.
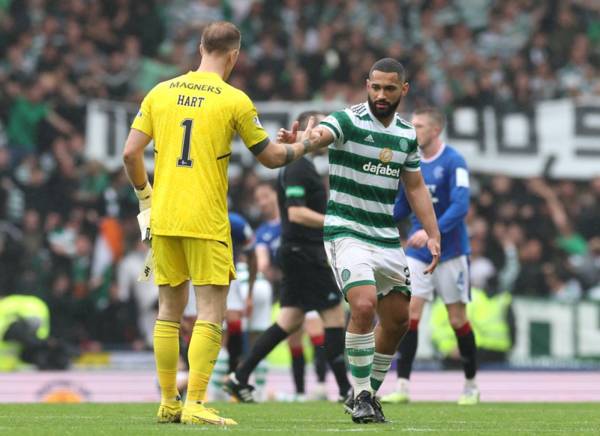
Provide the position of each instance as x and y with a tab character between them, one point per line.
184	160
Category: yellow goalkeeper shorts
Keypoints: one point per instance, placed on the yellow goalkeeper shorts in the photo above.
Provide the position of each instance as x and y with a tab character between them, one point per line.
203	261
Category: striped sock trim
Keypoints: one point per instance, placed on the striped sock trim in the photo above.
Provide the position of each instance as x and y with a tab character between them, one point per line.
354	340
381	366
359	352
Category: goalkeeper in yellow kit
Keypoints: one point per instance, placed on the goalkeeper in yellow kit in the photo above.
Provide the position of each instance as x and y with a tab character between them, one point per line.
192	120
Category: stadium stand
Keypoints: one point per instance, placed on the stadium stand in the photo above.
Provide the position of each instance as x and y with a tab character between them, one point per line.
67	222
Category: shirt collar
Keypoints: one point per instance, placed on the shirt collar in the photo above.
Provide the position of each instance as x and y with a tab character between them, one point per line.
435	156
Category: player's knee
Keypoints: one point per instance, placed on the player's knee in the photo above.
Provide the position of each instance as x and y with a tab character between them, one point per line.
457	320
363	309
289	325
334	317
397	326
403	324
170	312
290	319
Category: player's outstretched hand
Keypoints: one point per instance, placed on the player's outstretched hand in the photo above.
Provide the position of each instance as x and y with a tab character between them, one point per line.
433	245
418	239
288	136
310	133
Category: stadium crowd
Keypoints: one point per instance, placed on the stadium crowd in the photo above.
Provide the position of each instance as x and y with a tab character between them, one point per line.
67	223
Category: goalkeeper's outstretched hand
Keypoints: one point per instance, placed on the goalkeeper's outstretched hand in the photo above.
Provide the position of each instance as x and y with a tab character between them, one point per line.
288	136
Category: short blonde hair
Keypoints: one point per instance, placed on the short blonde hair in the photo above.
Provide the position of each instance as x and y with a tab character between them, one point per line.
434	114
220	37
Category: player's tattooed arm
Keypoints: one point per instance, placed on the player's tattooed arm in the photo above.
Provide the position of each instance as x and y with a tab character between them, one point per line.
307	146
289	154
275	155
290	151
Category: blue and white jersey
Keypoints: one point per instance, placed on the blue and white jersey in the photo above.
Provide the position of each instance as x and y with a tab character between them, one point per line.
447	178
269	234
242	235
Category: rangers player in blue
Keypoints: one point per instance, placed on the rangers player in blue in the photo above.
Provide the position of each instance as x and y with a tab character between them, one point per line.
446	175
243	239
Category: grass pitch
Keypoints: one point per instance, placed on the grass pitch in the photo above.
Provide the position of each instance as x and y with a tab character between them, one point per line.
305	418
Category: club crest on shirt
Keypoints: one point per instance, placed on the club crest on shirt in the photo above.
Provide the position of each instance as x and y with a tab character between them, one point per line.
345	274
438	172
386	155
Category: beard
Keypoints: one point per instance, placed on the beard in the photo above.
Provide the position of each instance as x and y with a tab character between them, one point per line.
383	113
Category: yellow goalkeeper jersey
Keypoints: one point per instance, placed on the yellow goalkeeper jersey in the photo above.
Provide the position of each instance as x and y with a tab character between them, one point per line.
192	119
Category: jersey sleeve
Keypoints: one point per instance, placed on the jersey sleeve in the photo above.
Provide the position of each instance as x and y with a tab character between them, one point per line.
248	126
458	178
338	123
295	185
143	119
413	160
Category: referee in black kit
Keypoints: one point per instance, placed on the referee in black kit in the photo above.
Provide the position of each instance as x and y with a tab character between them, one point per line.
307	283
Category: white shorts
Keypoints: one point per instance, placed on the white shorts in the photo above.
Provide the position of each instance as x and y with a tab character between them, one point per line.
450	280
313	314
236	300
261	297
357	263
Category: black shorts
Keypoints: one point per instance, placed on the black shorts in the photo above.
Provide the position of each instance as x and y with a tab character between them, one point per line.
308	281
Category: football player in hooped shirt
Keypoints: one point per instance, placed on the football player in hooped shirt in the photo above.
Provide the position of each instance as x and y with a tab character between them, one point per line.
447	178
371	149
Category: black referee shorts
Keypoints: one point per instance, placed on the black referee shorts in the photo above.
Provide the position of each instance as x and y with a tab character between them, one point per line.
308	281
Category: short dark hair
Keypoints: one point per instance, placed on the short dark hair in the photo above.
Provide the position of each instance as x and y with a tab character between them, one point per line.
436	115
305	116
221	37
389	65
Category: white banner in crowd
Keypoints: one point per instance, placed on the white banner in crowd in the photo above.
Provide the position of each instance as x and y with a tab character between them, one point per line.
558	138
547	332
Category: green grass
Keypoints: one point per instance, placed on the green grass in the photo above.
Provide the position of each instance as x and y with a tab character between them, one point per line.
307	418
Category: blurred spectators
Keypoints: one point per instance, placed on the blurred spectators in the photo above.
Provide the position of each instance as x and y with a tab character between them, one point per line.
549	252
455	51
63	217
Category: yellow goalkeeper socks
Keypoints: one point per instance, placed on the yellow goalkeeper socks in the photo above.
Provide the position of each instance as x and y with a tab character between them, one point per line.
202	355
166	354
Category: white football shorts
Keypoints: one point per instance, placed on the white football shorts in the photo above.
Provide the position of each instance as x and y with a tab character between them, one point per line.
357	263
261	297
450	280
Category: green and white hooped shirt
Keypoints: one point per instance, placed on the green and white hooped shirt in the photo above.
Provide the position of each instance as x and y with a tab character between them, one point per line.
365	163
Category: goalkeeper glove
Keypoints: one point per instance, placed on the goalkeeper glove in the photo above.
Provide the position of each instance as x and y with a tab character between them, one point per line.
144	195
144	222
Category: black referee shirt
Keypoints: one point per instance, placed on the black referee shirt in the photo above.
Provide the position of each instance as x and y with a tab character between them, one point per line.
299	184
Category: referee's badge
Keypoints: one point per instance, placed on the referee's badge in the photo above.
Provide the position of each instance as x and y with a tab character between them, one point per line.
386	155
345	274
